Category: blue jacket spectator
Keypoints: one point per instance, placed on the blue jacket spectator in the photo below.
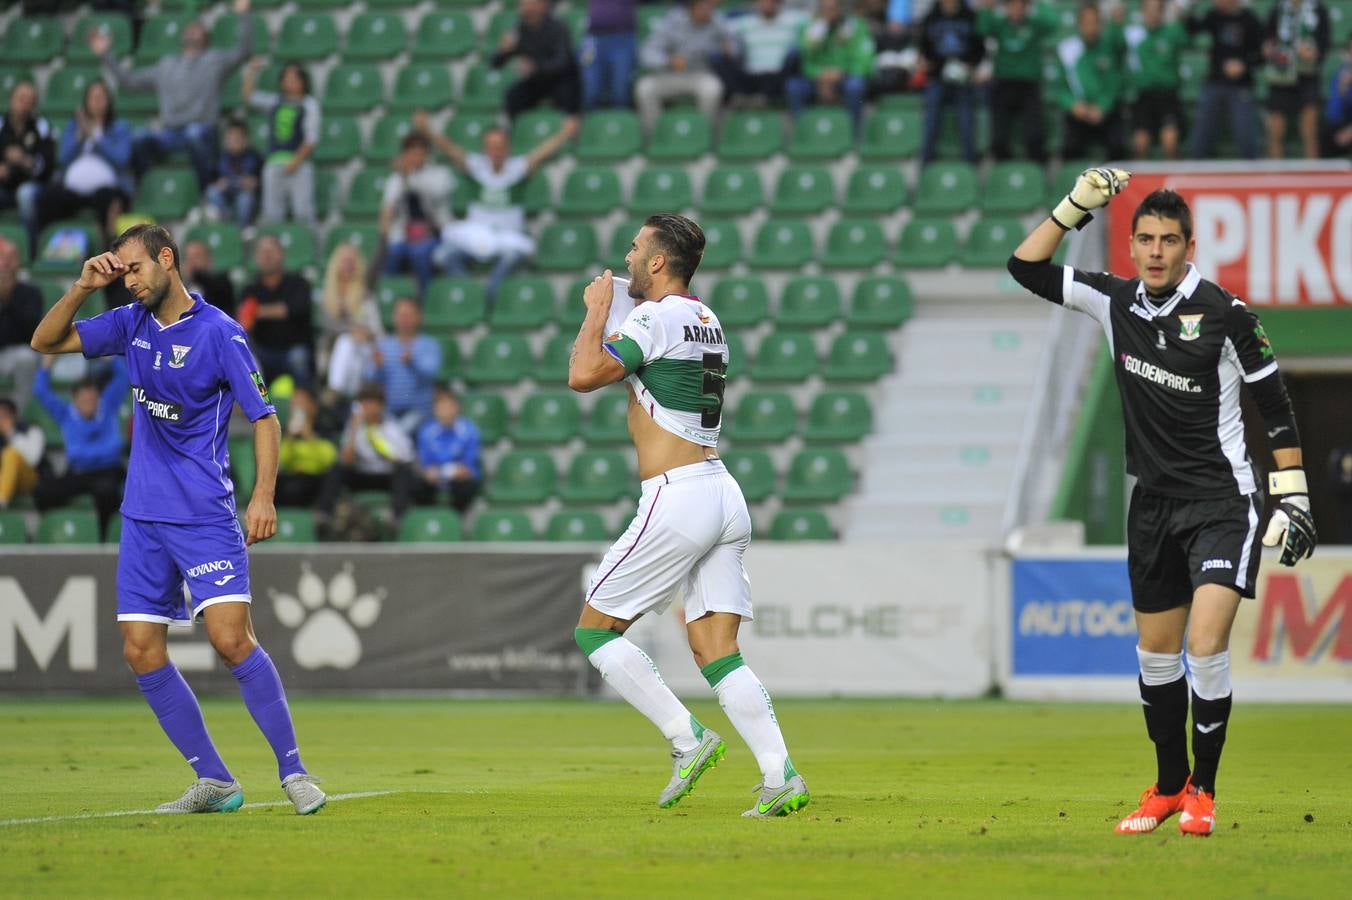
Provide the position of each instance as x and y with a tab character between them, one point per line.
448	454
1338	110
406	363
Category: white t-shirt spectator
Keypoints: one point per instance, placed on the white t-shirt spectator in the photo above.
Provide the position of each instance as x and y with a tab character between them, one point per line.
494	207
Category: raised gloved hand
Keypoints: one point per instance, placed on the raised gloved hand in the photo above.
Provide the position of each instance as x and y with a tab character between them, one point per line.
1093	189
1291	526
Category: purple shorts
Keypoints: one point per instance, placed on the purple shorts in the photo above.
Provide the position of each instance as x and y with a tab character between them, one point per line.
169	572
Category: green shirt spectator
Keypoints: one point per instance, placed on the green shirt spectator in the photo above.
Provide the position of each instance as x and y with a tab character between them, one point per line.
845	46
1092	70
1020	35
1153	56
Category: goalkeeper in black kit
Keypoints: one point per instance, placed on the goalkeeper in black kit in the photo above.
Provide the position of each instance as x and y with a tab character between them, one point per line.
1181	347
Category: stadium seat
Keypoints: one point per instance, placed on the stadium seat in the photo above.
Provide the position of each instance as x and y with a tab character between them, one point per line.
522	476
531	129
232	96
801	525
609	419
339	139
722	244
365	193
488	411
577	525
621	239
113	534
927	243
375	36
308	36
838	417
442	35
680	134
391	288
858	356
18	235
597	476
763	417
821	132
243	467
422	85
297	240
10	76
609	134
1192	70
451	364
892	134
662	189
453	303
817	475
739	360
803	188
353	88
732	190
68	526
161	35
547	417
785	356
79	242
39	39
502	20
854	244
225	32
590	191
809	302
467	129
12	528
874	188
227	248
66	87
879	301
991	241
754	471
118	26
552	367
945	188
500	359
524	302
502	525
566	246
484	89
389	131
751	135
783	244
1064	175
167	193
430	526
1013	187
740	301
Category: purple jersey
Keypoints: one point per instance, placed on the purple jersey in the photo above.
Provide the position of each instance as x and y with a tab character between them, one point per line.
185	379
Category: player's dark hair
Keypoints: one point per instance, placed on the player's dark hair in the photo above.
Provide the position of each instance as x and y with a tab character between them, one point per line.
153	238
1165	204
300	70
413	139
111	115
680	240
6	403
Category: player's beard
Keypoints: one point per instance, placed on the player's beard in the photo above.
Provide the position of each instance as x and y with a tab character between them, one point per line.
154	297
638	285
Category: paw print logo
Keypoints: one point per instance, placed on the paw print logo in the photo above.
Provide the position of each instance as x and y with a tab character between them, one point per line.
327	618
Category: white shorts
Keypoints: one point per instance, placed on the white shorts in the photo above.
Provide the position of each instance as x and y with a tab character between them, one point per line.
686	542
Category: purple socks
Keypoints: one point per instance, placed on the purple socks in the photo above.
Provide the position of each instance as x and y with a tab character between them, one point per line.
263	695
181	718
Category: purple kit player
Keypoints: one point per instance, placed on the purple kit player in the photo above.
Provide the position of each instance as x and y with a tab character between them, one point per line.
189	364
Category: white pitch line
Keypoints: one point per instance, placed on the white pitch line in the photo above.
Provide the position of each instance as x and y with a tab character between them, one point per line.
358	795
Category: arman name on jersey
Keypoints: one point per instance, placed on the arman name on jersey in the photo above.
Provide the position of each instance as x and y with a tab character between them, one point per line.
704	334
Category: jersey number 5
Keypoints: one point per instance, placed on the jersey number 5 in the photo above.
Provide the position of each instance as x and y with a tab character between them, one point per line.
714	383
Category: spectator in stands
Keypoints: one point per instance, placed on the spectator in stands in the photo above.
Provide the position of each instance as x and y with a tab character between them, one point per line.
200	275
1091	88
276	312
1338	111
233	192
951	47
406	364
21	446
293	131
413	209
541	51
306	456
609	53
836	58
349	320
448	454
896	56
1153	51
1236	52
375	455
94	167
1340	487
682	56
768	40
494	229
20	312
1297	41
188	85
1019	35
93	437
27	152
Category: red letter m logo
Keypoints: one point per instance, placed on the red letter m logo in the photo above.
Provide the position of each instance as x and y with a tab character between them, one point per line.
1284	621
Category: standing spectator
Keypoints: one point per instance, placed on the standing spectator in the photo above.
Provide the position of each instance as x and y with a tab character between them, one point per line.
415	206
541	51
188	86
768	39
1236	51
349	320
951	47
95	449
26	152
293	131
406	364
305	457
1297	40
1338	111
375	455
1340	486
686	48
21	446
276	313
609	53
448	454
1091	87
836	58
201	277
1153	50
896	56
1016	93
494	229
20	312
233	192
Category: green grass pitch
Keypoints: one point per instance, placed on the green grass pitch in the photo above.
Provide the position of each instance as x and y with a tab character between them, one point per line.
551	799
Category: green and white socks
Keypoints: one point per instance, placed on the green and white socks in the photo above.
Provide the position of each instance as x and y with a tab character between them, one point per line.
632	674
748	706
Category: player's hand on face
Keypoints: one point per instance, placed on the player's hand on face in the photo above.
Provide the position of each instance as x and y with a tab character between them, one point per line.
600	293
101	271
260	521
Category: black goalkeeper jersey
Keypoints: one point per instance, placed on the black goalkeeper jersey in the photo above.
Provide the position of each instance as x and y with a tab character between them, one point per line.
1179	361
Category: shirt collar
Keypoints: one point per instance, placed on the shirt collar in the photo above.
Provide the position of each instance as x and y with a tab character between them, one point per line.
1163	306
197	304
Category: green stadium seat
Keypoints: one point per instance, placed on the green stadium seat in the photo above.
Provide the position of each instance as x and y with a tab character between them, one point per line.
499	23
225	32
243	467
66	87
533	194
879	301
524	302
621	239
751	135
874	188
817	475
785	356
854	244
754	471
308	36
388	133
803	188
365	193
680	134
68	526
389	290
809	302
1063	178
232	96
858	356
892	134
732	190
484	89
81	241
547	417
763	417
161	36
609	419
738	357
442	35
590	191
783	244
339	140
500	359
12	528
740	301
722	244
552	367
945	188
114	533
430	526
821	132
322	4
422	85
451	364
662	189
609	135
10	76
577	525
801	525
1014	187
39	39
167	193
375	36
118	26
365	238
502	525
467	129
531	129
452	303
489	412
597	476
353	88
297	242
522	476
838	417
927	243
991	241
1192	70
566	246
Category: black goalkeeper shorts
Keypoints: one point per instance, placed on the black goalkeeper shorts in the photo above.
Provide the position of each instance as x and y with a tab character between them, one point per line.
1175	545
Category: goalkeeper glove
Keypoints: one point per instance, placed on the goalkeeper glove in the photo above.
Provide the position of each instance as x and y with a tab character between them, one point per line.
1093	188
1291	526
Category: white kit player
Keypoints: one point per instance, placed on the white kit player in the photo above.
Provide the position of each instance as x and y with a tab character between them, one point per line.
692	526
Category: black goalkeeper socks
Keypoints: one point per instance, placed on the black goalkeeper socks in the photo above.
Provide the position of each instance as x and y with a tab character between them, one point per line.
1166	721
1210	720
